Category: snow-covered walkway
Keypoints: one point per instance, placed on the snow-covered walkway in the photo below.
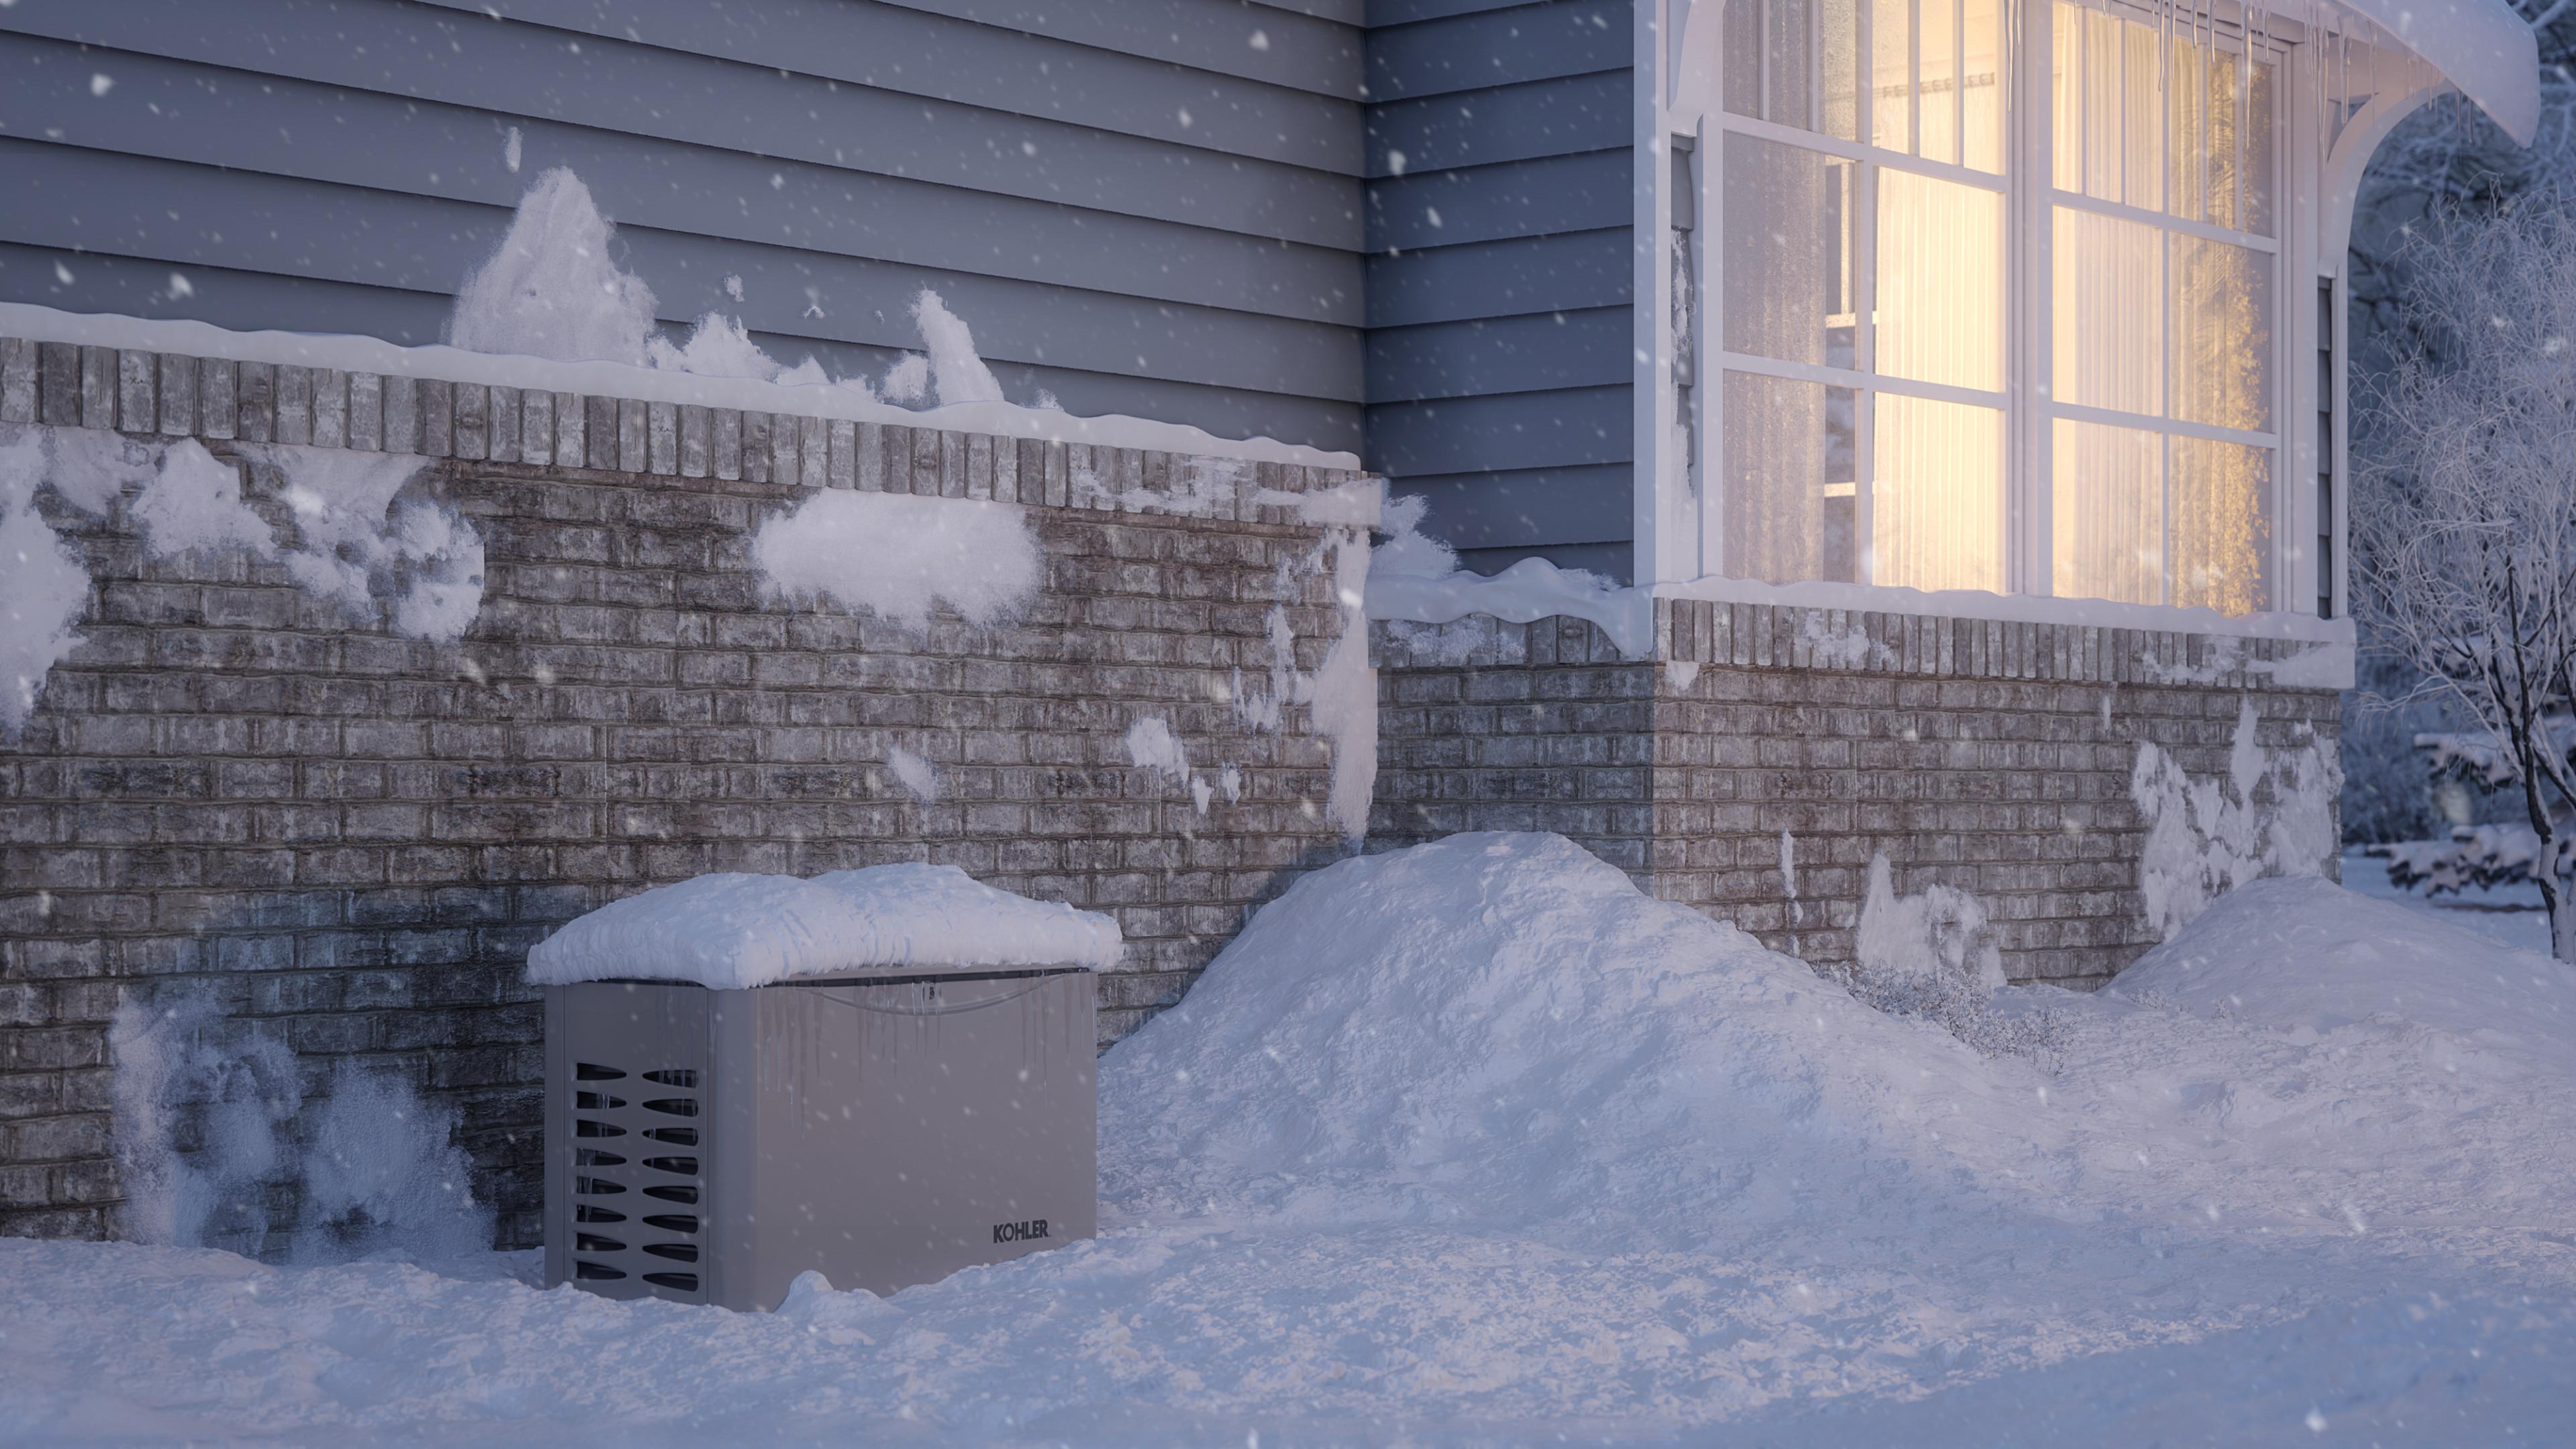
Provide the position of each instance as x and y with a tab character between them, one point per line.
1472	1144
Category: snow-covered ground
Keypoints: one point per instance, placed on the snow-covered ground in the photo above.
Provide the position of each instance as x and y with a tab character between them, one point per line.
1473	1144
2509	913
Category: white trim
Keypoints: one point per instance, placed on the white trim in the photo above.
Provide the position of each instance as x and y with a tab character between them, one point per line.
2354	145
1531	590
2144	423
643	384
2480	46
1861	381
1650	372
1857	151
2162	221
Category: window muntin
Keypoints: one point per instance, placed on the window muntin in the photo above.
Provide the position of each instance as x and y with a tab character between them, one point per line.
1865	235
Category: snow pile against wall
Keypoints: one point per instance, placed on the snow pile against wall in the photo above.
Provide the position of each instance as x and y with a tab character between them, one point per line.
897	554
211	1114
553	289
1501	1028
730	931
1650	1184
1932	957
1417	578
2272	813
2299	953
375	545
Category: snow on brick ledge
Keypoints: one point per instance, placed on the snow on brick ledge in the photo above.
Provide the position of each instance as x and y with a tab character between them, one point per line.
120	373
731	931
1690	633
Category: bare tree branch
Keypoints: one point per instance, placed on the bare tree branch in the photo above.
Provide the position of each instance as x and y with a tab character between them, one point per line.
2467	551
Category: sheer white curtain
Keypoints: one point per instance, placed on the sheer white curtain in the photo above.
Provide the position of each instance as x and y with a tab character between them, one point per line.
2107	512
2160	134
1936	495
1850	280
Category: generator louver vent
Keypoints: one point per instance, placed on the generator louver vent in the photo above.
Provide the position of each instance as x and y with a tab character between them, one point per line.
600	1116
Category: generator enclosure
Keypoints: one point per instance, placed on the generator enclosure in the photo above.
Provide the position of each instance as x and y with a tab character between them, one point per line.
707	1146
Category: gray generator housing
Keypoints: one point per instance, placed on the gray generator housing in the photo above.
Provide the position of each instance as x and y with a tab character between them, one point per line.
707	1146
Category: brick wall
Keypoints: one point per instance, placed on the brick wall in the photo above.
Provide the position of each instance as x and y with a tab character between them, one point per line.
1989	756
352	838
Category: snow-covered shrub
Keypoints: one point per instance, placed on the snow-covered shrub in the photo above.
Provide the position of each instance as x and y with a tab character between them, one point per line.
2465	547
213	1128
1932	957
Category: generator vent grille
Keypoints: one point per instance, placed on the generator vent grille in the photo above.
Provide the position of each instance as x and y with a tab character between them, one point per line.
622	1143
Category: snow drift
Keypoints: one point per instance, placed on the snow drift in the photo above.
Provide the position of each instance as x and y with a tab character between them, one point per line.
1501	1028
733	930
1474	1143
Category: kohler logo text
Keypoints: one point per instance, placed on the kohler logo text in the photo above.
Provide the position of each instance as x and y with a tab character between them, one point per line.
1020	1232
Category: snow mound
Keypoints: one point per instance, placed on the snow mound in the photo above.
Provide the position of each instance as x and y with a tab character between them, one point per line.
731	930
551	289
1501	1028
1417	578
2300	954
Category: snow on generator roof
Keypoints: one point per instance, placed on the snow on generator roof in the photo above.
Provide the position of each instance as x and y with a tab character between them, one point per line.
731	930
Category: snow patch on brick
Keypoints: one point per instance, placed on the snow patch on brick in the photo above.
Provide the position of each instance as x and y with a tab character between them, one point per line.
898	555
2271	814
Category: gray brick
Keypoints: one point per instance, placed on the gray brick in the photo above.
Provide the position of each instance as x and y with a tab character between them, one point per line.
19	369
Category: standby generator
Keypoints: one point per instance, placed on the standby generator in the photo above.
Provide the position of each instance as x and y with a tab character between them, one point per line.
707	1146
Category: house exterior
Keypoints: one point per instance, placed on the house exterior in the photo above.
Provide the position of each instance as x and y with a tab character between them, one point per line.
1942	398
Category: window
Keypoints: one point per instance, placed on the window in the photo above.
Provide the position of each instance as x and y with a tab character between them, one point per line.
1888	281
2161	297
1863	315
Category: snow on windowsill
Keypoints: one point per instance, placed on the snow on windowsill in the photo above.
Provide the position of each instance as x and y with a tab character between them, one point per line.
1534	589
347	353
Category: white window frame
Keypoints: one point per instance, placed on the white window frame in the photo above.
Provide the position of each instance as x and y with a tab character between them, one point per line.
1680	515
2036	222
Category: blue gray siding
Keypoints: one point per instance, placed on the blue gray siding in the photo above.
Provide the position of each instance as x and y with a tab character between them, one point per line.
1403	231
1500	177
1141	206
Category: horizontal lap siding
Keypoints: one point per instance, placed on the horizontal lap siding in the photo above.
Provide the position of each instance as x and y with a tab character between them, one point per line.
1169	228
1499	283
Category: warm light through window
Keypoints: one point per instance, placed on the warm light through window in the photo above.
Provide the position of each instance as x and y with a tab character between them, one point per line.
1864	302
